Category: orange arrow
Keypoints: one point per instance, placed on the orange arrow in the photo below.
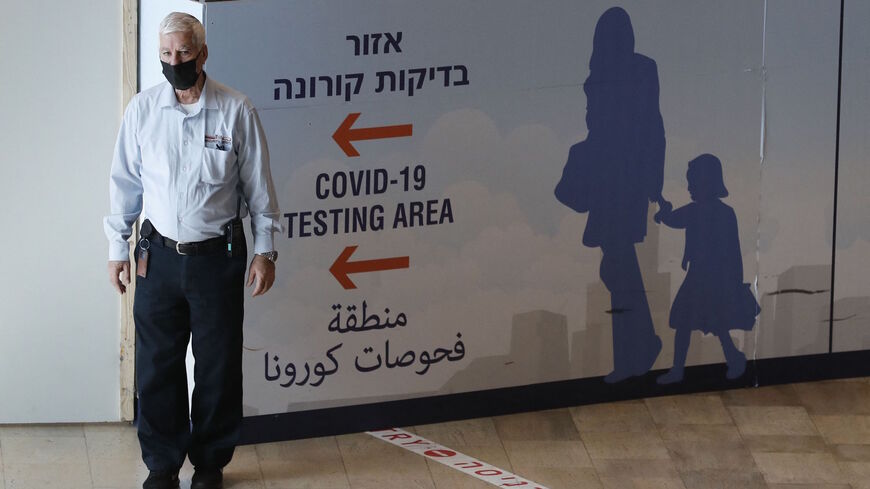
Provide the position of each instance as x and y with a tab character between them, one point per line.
342	267
344	134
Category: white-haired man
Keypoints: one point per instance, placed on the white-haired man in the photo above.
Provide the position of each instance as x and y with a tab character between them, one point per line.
191	158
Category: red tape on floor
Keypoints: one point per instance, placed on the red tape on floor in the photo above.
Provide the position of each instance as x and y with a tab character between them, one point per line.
456	460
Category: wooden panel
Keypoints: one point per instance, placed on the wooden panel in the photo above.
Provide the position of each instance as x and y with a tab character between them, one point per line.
128	333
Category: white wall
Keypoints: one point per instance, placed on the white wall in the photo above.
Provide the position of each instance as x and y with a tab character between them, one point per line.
60	106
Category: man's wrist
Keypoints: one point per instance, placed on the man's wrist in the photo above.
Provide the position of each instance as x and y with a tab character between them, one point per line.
272	256
119	251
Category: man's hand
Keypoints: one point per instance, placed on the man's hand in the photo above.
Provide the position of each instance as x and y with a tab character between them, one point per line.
119	275
262	272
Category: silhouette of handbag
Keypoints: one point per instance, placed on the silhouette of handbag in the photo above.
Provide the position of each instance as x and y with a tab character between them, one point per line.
572	189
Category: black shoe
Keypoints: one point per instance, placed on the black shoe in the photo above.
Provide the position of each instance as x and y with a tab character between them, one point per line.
161	480
207	479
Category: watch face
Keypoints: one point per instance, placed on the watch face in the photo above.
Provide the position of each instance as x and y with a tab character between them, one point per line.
272	256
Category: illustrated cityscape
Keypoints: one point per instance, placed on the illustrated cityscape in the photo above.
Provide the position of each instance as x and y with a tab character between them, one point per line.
794	320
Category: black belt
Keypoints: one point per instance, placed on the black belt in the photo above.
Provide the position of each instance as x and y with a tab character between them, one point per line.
212	246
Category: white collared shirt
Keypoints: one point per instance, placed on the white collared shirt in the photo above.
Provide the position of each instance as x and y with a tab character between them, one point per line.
189	170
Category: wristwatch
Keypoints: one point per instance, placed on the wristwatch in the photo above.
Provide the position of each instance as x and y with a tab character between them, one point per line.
272	256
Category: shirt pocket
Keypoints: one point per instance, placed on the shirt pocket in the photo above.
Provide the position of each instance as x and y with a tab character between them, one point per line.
217	166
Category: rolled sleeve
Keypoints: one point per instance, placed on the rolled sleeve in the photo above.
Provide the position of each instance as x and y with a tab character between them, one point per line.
256	180
125	187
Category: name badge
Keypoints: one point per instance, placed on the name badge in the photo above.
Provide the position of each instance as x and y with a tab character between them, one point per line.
218	142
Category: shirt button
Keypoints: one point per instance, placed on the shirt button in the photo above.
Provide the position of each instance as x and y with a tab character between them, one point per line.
185	142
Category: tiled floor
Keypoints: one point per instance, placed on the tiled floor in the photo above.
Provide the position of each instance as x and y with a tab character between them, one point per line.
801	436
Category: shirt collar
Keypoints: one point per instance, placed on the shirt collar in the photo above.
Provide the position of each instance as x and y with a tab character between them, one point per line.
208	98
209	95
167	96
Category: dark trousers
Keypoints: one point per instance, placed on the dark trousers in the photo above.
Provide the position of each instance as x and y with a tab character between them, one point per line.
197	299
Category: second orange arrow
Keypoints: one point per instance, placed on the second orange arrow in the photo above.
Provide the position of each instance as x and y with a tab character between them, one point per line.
342	266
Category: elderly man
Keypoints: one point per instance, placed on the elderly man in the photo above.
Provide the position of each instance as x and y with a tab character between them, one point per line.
191	158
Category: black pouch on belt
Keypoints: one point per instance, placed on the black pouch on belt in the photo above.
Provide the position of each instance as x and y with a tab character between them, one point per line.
147	229
143	249
234	233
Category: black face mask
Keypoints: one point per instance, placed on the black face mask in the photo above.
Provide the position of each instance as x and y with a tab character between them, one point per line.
181	76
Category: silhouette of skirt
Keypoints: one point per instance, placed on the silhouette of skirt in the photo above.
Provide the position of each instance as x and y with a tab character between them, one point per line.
713	308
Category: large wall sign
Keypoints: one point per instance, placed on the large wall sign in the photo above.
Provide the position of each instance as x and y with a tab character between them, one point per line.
500	193
851	312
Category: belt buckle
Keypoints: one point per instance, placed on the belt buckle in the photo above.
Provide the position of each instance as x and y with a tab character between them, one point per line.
178	248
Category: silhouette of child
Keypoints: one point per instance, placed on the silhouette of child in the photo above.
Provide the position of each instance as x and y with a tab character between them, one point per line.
713	298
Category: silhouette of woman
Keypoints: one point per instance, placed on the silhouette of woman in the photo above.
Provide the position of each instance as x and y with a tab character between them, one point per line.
613	175
713	297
